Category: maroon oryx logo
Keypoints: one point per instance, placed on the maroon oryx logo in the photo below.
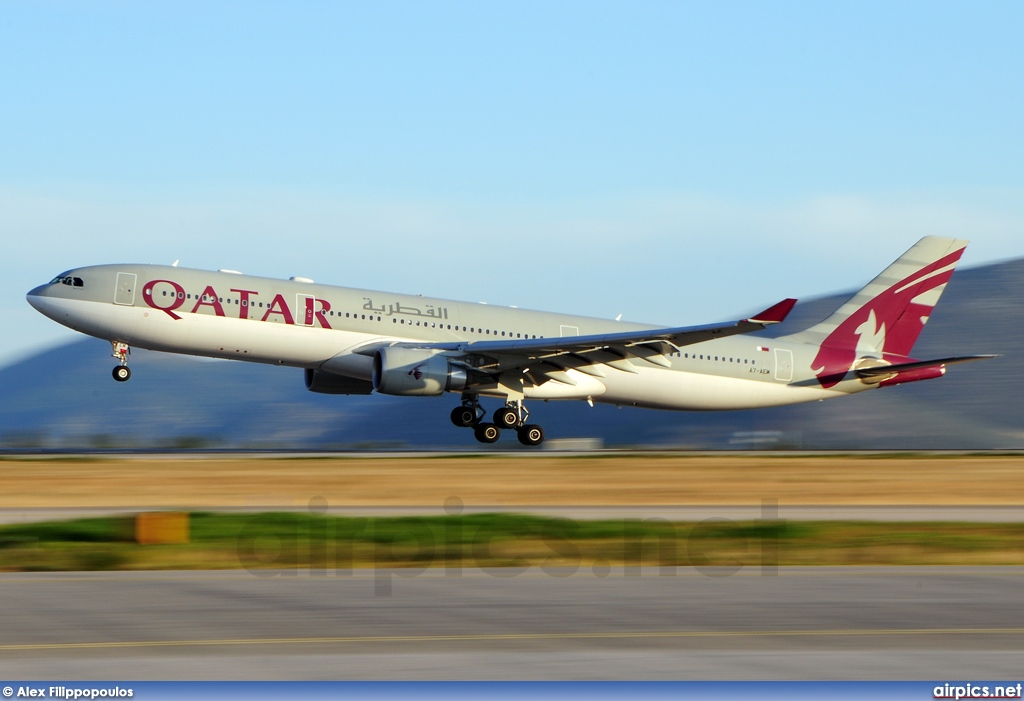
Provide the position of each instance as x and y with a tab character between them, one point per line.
416	372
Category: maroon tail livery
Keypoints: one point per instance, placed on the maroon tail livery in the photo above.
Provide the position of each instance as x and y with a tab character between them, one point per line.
881	323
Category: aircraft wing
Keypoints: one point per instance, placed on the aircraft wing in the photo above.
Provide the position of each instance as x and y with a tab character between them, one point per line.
551	357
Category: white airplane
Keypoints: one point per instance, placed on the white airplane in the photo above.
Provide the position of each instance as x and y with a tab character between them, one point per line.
352	341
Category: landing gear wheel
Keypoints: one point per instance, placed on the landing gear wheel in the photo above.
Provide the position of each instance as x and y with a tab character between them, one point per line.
531	434
464	416
487	433
506	418
121	373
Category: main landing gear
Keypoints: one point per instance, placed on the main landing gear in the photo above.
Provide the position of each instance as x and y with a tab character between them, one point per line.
512	416
121	372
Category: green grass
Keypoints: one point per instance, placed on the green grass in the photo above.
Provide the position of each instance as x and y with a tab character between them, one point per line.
303	541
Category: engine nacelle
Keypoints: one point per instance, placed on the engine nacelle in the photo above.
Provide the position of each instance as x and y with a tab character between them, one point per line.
412	372
329	383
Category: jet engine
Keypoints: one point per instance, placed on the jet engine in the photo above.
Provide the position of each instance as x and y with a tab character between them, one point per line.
413	372
330	383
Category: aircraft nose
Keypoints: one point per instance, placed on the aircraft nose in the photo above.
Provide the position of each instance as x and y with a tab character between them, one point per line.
35	295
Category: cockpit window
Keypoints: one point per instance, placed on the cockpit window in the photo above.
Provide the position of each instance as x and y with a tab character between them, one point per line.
68	280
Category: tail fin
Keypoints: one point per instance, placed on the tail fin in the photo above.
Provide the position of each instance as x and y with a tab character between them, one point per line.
887	316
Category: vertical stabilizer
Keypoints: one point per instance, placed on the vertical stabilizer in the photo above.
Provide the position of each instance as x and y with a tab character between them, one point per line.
886	317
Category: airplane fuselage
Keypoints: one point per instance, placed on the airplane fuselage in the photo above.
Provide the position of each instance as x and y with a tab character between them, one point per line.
302	324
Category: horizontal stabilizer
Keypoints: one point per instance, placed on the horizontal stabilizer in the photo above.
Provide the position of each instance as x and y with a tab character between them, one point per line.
885	370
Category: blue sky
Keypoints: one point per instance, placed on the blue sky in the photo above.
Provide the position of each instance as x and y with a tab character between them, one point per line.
674	162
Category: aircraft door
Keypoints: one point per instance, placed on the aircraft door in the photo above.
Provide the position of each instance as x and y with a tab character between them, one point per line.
783	364
124	292
570	331
305	306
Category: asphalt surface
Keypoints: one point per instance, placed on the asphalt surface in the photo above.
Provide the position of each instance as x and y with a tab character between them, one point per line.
790	623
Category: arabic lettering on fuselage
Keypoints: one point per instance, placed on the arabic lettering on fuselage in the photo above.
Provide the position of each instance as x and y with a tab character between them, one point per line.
399	308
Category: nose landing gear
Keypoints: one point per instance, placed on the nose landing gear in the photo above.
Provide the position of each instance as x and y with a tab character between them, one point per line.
121	372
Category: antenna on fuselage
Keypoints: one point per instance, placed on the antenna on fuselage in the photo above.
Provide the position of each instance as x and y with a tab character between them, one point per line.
174	264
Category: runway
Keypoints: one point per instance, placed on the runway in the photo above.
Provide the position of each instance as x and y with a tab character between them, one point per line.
790	623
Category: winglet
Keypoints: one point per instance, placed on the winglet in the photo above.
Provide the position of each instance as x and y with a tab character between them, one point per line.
774	314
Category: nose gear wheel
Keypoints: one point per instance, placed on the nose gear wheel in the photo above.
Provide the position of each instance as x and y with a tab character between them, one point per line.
120	351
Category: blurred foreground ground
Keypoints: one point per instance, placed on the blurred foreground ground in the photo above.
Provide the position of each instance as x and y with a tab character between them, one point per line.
514	480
